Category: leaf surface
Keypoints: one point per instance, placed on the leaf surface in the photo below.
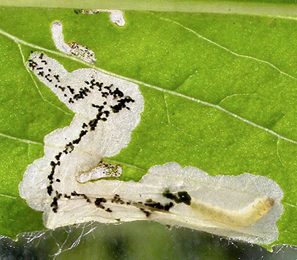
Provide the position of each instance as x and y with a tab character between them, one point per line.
220	94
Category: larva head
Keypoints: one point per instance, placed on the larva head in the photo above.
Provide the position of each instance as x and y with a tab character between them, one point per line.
270	202
265	205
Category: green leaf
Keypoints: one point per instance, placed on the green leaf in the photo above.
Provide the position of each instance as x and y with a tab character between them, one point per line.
220	94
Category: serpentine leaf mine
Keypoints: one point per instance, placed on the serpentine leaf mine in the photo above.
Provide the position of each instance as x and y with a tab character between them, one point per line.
69	182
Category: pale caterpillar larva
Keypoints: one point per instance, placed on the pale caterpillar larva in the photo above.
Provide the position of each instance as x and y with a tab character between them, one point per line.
234	218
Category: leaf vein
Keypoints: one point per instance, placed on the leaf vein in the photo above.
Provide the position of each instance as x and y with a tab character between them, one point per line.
7	196
226	49
20	139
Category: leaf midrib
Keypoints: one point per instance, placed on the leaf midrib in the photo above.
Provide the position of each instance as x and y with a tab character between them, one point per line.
260	8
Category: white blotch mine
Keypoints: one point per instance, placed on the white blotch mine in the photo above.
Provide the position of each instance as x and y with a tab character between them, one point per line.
72	48
116	16
67	185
